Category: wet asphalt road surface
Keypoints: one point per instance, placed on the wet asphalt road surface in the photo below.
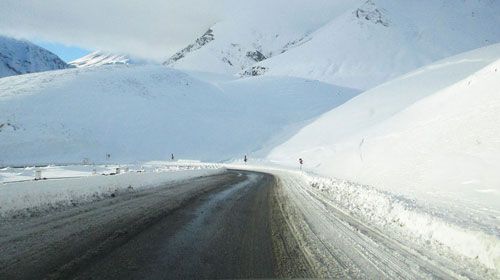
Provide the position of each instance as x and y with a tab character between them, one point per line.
221	226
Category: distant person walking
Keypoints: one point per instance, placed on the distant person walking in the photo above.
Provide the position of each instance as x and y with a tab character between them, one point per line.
301	162
245	159
172	157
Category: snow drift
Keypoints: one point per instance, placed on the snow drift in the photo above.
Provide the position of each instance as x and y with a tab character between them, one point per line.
460	236
431	133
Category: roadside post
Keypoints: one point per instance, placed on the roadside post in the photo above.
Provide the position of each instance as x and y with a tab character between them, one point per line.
38	174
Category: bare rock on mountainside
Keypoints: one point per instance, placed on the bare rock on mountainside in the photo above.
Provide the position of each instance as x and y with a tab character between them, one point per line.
254	71
370	12
200	42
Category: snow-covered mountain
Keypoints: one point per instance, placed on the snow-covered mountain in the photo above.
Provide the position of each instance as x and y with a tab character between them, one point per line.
432	132
99	58
21	57
364	43
222	49
146	112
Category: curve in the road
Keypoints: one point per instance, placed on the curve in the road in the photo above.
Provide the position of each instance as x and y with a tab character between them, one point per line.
221	226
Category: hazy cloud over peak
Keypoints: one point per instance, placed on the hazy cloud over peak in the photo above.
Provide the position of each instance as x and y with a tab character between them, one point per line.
151	29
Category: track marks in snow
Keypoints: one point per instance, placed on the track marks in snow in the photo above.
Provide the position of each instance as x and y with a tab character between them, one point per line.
339	245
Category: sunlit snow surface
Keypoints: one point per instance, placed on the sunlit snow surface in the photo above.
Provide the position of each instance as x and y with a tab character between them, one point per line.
98	58
138	113
432	134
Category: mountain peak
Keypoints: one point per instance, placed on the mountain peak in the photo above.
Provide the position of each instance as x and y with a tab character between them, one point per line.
99	58
23	57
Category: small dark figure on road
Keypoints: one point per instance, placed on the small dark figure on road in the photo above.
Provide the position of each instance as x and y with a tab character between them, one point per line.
172	156
245	159
301	162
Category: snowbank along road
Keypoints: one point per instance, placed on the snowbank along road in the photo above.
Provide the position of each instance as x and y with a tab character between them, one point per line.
238	224
340	246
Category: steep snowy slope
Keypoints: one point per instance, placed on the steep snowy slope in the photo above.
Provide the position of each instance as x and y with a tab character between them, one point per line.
147	112
251	33
433	132
21	57
359	45
227	49
383	39
99	58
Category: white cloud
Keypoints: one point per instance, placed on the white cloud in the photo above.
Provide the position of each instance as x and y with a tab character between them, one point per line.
151	29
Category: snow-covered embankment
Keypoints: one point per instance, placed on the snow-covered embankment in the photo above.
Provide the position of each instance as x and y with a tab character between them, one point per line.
336	219
428	145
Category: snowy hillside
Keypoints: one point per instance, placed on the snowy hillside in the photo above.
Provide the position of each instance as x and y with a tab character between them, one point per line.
138	113
99	58
382	39
433	132
21	57
363	44
246	35
226	49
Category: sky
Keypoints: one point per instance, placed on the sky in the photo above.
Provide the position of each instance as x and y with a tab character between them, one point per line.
65	52
153	29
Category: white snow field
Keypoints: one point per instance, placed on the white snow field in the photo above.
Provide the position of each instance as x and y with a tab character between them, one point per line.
432	133
357	44
142	113
21	57
25	198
